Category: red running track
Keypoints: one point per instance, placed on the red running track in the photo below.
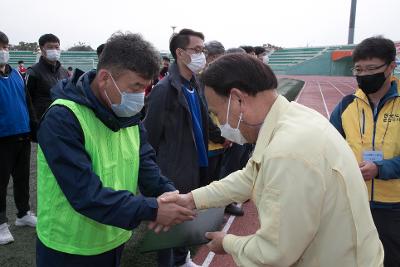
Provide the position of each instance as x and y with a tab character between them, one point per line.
321	93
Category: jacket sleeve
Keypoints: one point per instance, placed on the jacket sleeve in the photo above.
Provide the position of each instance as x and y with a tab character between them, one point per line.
389	168
33	122
151	182
62	142
31	83
155	114
336	119
283	208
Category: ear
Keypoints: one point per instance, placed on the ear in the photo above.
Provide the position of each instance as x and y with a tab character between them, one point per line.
239	95
103	77
392	66
179	52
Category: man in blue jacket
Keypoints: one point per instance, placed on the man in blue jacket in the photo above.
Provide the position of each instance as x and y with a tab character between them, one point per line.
17	119
92	156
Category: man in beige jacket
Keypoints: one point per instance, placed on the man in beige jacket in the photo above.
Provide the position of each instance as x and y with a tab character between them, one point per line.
303	178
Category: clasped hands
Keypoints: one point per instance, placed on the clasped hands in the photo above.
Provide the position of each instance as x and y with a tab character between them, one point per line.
173	208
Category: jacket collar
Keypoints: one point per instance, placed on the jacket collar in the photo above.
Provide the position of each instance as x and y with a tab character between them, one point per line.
394	91
267	130
52	68
177	81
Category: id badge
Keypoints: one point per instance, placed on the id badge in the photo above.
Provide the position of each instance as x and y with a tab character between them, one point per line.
372	155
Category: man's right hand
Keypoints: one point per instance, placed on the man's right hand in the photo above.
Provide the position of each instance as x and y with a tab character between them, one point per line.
170	213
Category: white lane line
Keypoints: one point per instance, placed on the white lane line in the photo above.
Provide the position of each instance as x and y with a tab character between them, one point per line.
337	88
301	91
323	99
228	225
351	87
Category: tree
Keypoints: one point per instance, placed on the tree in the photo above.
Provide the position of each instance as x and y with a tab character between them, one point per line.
80	46
24	46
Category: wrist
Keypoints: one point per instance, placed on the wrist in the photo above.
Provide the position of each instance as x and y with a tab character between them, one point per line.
191	203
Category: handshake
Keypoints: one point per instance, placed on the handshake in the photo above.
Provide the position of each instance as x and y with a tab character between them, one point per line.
173	208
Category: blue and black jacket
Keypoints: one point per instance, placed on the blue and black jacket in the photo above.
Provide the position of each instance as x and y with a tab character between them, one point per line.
369	128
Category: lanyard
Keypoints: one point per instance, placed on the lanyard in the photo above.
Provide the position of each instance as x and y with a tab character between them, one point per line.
361	125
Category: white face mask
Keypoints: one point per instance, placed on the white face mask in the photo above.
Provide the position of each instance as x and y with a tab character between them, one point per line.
4	57
53	54
232	134
197	62
131	103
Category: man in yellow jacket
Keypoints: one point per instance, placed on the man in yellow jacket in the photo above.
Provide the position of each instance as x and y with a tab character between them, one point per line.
303	177
369	120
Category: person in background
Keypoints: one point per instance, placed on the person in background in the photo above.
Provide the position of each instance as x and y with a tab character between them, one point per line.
70	71
165	65
249	50
17	129
262	54
99	50
21	68
217	145
177	124
369	120
42	76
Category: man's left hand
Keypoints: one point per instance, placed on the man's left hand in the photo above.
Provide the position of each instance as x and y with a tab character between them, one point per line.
369	170
215	245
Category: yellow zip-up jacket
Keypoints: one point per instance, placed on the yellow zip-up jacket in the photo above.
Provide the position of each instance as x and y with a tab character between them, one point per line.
367	129
310	196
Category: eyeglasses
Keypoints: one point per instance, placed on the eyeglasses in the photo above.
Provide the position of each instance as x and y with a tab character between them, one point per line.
368	70
197	49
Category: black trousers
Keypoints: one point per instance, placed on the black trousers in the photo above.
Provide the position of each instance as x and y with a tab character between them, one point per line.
15	161
387	222
235	158
172	257
47	257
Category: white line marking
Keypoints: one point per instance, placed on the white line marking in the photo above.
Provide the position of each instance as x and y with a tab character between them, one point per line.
323	99
301	91
228	225
336	88
351	87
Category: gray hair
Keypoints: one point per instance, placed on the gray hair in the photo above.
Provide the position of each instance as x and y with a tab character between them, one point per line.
235	50
214	48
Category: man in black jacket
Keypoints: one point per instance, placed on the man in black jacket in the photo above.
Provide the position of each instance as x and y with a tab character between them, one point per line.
42	76
177	123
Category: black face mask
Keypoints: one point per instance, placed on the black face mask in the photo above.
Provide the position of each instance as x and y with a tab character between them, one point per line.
370	84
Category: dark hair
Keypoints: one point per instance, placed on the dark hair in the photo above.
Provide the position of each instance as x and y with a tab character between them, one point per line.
99	49
182	39
239	71
69	68
128	51
166	58
48	38
235	50
375	47
214	48
20	61
3	38
249	49
259	50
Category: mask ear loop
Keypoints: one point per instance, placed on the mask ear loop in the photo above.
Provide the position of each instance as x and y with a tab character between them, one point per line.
229	107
